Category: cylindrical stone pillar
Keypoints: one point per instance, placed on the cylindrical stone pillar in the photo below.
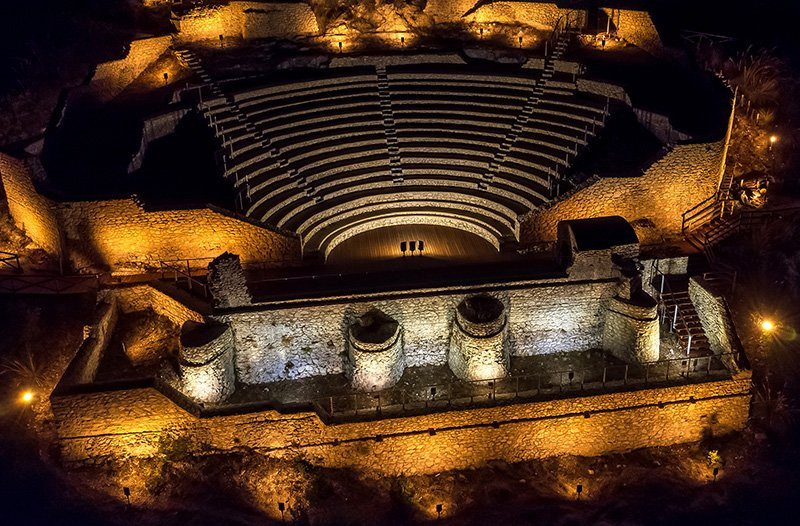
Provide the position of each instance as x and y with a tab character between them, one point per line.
206	362
375	350
478	349
631	332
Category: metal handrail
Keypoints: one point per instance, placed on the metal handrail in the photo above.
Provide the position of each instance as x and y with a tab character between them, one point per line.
469	393
187	274
663	306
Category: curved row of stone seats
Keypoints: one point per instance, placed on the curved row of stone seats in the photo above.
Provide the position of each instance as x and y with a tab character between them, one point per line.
318	225
312	156
473	121
271	205
313	129
502	210
281	208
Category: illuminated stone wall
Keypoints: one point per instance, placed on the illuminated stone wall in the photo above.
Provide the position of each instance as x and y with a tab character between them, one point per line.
132	298
714	314
111	78
631	331
131	422
30	211
121	234
247	20
206	362
652	203
375	352
534	14
294	342
83	368
636	27
478	346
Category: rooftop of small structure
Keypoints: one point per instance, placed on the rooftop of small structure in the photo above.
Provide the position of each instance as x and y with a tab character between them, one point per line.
599	233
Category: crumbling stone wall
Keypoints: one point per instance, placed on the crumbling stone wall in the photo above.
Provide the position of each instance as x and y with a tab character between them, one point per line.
131	422
247	20
30	211
285	341
652	203
636	27
83	368
132	298
534	14
111	78
714	316
122	234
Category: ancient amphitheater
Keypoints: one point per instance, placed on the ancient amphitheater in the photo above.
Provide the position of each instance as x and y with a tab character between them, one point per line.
417	258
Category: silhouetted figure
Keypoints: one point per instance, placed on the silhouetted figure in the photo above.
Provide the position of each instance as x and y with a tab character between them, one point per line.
403	248
412	246
421	246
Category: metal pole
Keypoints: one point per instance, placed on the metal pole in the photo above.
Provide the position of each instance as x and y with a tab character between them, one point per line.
674	318
689	346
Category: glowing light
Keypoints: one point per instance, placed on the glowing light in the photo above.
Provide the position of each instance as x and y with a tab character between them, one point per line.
773	139
27	397
767	326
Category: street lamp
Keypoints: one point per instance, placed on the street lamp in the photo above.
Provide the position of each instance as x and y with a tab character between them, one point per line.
767	325
26	397
772	140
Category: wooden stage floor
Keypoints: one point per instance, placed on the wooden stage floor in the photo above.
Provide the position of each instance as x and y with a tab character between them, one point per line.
441	243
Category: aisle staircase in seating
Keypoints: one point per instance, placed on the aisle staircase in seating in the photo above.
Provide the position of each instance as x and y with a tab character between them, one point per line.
527	109
395	165
188	58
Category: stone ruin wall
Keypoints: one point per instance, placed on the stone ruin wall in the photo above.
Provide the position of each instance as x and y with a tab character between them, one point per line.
133	298
533	14
635	27
122	235
715	316
310	340
248	20
111	78
131	422
30	211
653	203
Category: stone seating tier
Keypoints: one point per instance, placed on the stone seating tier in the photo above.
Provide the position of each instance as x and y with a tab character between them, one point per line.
314	156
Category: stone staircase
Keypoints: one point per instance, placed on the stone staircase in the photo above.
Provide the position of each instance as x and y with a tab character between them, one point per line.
679	314
535	97
188	58
543	91
387	114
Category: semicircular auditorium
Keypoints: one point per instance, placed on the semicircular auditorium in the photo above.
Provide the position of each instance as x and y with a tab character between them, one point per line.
357	149
441	251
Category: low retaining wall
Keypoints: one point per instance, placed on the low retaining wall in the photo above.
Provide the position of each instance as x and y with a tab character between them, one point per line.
120	234
131	423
